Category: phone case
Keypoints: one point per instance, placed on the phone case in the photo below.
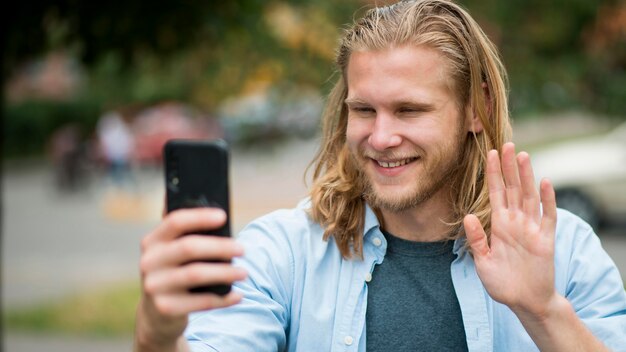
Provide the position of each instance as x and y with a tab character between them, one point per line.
196	175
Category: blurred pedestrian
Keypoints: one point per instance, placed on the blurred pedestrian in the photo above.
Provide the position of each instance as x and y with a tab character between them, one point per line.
116	143
66	150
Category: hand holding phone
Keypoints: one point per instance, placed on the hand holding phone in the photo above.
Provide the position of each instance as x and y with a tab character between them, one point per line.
196	175
174	257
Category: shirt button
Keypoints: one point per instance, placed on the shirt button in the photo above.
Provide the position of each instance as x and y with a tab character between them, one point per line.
368	277
348	340
377	241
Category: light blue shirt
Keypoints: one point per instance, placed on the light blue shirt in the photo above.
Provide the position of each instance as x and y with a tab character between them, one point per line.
302	295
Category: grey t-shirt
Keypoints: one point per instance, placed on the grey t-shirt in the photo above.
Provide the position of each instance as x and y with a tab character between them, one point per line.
411	302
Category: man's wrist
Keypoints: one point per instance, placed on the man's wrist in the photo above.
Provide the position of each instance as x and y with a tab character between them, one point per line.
144	343
555	307
150	335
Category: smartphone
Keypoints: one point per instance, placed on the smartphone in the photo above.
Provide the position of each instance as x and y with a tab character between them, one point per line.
196	175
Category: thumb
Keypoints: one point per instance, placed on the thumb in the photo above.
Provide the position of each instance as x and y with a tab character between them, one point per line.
476	236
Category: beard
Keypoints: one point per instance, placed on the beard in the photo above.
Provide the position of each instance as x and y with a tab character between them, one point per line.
439	169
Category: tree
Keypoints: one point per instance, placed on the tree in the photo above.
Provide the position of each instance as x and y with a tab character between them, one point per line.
128	28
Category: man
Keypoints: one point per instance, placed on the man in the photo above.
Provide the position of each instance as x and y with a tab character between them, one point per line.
423	231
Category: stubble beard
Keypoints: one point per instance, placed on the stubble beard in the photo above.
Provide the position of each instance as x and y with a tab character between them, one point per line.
437	172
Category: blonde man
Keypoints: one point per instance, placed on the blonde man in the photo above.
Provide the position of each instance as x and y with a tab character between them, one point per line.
424	229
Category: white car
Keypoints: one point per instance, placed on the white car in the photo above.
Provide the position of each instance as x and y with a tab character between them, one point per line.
589	175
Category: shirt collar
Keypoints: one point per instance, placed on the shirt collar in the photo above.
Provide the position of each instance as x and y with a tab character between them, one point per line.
371	220
459	246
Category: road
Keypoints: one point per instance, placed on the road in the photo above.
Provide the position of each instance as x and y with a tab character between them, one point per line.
55	244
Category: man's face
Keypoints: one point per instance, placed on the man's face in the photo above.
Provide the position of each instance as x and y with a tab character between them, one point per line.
405	129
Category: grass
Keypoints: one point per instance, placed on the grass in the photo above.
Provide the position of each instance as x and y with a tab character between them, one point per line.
106	312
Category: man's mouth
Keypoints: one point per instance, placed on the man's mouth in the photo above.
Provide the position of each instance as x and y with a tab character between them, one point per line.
397	163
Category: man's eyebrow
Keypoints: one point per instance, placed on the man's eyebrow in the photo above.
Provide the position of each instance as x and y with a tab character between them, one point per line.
415	105
352	101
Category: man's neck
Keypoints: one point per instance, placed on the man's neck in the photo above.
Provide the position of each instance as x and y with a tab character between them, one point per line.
423	223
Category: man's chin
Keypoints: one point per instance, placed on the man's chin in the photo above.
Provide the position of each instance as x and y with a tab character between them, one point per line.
395	203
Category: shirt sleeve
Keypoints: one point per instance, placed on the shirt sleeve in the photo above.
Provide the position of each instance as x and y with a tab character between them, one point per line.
260	321
594	285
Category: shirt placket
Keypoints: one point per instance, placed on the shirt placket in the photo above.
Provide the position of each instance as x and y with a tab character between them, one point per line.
348	333
473	302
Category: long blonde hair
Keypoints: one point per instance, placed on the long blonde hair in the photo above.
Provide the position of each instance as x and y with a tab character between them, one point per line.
479	80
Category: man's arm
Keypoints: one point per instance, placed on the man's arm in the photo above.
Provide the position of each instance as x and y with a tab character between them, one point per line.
167	273
517	265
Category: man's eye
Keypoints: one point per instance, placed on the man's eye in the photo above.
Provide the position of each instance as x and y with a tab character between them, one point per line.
362	109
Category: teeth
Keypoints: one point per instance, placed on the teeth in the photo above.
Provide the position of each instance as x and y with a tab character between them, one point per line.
394	163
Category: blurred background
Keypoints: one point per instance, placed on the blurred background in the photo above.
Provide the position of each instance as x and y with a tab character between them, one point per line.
91	93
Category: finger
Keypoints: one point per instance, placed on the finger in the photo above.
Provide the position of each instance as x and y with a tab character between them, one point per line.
548	203
184	221
476	235
190	248
529	190
181	304
497	194
182	278
511	176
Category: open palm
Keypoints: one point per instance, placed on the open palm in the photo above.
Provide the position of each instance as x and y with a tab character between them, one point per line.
516	265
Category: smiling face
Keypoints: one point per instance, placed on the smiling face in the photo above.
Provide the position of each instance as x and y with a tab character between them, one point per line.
405	128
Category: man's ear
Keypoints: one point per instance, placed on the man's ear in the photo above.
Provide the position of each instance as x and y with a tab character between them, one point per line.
474	124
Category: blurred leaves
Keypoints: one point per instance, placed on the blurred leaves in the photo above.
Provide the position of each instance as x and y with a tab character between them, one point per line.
560	54
28	125
128	28
202	51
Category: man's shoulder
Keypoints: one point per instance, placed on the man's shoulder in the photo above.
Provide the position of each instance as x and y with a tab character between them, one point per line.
296	216
574	236
286	233
571	226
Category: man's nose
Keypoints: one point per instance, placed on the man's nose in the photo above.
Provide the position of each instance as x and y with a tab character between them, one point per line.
385	134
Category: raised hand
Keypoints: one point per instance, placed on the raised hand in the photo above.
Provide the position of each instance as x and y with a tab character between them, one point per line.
516	265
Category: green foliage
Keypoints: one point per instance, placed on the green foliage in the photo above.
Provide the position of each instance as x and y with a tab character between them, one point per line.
104	312
560	54
123	27
29	125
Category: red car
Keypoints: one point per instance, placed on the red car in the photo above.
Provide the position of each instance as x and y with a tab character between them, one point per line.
155	125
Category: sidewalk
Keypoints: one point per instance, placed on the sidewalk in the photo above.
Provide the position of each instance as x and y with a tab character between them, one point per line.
51	343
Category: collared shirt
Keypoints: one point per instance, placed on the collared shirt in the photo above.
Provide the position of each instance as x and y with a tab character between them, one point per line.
302	295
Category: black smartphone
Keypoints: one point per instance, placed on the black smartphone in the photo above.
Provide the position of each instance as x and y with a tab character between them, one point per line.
196	175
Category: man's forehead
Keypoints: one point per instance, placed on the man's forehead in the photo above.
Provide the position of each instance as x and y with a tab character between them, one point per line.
409	56
424	67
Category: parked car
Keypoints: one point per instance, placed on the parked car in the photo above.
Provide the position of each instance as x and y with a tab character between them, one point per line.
270	115
154	126
589	175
